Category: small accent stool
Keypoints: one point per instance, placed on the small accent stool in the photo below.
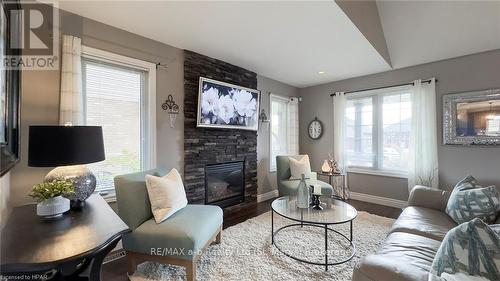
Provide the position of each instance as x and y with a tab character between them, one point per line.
179	240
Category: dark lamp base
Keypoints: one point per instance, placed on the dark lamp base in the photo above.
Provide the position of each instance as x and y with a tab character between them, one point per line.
77	205
83	180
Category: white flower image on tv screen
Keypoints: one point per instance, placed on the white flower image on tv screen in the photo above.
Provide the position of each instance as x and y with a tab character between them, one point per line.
210	99
225	109
244	102
226	105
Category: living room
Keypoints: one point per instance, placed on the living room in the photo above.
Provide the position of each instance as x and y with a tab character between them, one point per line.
253	140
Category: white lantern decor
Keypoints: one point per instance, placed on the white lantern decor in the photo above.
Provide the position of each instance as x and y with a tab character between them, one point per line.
326	168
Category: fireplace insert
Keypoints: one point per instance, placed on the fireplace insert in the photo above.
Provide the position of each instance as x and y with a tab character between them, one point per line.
225	183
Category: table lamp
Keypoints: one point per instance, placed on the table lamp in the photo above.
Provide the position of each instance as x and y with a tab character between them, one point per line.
68	148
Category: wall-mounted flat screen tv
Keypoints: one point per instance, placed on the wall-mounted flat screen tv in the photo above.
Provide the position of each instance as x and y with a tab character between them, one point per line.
223	105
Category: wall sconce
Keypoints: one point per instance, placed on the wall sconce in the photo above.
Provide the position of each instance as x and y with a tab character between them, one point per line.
263	116
172	109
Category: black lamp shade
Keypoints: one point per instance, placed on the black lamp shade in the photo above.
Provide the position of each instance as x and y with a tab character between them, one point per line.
53	146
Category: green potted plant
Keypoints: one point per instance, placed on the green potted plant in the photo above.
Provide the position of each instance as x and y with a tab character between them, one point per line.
49	196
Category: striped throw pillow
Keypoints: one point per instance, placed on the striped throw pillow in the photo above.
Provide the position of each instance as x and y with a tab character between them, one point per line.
470	200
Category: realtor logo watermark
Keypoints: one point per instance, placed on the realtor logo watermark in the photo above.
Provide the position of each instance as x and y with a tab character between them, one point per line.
31	35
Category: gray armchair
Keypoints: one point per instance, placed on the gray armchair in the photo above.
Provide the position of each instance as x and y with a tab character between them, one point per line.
286	186
179	240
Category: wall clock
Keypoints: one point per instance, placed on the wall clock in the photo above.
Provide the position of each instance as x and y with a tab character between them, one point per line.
315	129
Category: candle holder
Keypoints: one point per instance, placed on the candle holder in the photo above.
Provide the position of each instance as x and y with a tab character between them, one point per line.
316	202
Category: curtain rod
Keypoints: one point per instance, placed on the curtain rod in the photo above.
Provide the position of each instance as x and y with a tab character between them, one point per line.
385	87
142	51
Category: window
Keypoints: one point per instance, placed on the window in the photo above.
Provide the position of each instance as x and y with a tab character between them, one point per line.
284	130
118	94
377	131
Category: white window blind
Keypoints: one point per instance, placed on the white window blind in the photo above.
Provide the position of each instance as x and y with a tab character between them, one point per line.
284	128
114	99
378	131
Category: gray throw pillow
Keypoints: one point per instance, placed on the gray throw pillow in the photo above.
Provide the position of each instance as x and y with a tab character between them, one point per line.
470	249
470	200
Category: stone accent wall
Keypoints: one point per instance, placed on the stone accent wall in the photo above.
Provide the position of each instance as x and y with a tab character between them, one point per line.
207	146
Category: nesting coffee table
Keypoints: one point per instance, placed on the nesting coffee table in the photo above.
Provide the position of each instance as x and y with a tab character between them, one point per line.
338	212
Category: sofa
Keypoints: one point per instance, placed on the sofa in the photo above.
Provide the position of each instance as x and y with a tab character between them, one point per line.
179	240
408	252
413	240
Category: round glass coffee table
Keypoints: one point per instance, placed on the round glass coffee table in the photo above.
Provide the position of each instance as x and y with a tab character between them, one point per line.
338	212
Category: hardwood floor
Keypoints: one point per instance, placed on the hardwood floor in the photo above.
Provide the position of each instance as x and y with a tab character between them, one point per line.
384	211
117	270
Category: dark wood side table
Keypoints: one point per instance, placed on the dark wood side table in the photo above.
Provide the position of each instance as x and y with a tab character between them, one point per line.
72	247
331	177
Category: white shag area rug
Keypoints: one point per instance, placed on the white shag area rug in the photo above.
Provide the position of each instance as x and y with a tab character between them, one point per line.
246	253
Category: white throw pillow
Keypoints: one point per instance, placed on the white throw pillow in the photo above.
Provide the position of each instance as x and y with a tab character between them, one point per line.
299	167
166	194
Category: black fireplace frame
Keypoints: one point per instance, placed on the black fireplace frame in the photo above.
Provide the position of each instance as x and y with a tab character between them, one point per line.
230	201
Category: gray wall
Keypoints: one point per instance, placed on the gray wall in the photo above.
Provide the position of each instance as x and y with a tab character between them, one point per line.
473	72
40	95
266	181
40	98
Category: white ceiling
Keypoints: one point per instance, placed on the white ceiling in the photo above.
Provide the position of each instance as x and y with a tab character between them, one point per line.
292	41
418	32
286	41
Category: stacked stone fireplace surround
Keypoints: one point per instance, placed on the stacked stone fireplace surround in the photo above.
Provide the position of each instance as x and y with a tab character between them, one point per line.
204	146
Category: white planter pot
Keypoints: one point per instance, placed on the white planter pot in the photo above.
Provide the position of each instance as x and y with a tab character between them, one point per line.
52	207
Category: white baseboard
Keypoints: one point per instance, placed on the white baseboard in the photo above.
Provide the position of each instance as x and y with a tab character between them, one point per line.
266	196
354	195
379	200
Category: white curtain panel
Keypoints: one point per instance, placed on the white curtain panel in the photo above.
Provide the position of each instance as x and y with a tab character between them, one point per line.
423	163
71	103
339	105
293	126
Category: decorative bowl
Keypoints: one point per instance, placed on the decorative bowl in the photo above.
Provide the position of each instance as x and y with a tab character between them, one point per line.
53	207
